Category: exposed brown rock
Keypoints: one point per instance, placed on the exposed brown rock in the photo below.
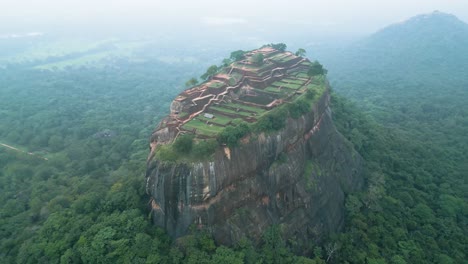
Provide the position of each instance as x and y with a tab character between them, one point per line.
244	190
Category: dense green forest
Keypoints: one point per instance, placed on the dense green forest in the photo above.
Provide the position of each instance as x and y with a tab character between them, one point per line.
414	209
410	123
95	141
80	198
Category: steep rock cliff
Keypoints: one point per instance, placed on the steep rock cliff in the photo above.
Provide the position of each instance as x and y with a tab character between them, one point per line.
296	178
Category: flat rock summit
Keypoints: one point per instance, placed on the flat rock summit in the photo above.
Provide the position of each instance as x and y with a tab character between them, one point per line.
251	147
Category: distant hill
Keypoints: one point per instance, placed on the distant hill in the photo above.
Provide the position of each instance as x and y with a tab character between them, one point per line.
424	46
412	79
405	67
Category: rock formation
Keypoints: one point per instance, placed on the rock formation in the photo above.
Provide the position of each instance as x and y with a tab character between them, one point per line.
296	177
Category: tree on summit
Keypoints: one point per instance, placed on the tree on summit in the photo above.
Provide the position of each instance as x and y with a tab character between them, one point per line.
301	52
316	69
237	55
184	143
212	70
226	62
258	59
278	46
192	82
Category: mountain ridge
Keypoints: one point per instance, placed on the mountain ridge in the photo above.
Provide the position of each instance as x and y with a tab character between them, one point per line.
425	44
436	27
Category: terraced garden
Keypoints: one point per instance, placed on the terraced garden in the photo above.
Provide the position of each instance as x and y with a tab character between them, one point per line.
245	92
202	128
216	84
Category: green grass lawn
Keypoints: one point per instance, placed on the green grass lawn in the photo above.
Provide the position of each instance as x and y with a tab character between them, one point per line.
247	66
302	75
219	119
287	58
291	80
202	128
287	85
265	66
279	57
318	80
216	85
267	93
230	111
283	91
273	89
246	107
237	76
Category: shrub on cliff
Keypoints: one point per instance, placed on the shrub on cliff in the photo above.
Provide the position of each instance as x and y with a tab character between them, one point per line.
310	94
204	148
232	134
166	153
237	55
316	69
273	121
192	82
183	144
298	108
212	70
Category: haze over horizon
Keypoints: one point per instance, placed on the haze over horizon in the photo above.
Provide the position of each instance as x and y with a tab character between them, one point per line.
176	131
260	17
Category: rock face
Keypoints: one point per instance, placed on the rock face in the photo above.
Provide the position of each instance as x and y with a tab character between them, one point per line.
296	178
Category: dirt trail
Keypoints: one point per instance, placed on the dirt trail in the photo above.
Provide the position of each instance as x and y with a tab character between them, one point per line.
21	151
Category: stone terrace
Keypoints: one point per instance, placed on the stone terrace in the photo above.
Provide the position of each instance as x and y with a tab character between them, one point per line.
243	91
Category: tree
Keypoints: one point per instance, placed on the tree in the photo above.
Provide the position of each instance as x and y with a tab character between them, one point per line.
165	153
192	82
237	55
226	62
183	144
298	108
331	249
204	148
212	70
274	248
258	59
272	121
227	255
231	134
316	69
56	143
301	52
278	46
310	93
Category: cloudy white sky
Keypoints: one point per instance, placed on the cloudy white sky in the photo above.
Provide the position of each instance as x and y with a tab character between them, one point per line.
341	16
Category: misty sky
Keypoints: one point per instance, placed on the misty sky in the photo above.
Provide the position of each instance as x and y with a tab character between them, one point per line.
339	16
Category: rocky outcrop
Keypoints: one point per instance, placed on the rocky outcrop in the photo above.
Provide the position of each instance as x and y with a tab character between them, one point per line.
296	178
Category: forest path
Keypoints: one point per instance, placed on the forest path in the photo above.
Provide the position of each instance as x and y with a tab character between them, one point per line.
21	151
